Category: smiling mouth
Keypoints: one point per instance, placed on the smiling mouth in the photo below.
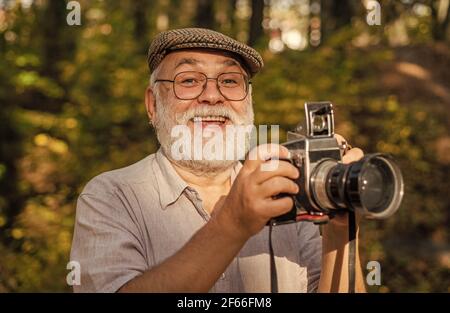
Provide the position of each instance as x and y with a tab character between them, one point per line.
211	119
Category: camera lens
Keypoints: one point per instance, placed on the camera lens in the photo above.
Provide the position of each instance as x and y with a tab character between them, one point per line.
373	185
376	189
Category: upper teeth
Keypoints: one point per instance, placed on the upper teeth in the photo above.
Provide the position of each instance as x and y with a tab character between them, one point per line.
209	119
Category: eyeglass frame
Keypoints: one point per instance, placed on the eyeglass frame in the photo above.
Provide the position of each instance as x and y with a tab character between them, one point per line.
206	83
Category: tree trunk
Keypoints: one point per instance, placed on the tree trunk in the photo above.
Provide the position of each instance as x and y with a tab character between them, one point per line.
53	23
334	15
173	13
205	14
57	42
140	18
342	13
232	17
255	29
140	11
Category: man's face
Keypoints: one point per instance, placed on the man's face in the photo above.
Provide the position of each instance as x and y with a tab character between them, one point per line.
209	110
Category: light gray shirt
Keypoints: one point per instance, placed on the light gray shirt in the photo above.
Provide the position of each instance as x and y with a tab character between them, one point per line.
131	219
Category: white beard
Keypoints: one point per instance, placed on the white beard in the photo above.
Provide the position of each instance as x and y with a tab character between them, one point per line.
165	119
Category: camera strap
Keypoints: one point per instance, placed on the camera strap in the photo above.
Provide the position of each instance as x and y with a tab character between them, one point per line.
273	268
351	250
351	255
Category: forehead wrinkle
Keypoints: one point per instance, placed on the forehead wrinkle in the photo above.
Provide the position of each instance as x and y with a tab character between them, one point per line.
202	62
190	61
193	61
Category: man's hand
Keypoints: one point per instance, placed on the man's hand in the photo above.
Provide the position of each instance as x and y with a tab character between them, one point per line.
250	203
335	239
243	213
352	155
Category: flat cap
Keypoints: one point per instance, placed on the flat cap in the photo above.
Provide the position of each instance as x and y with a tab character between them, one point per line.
191	38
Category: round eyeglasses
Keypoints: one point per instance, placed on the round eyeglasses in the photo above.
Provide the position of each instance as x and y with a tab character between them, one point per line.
190	85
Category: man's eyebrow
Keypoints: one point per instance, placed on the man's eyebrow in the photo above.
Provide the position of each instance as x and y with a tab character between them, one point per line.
190	61
231	62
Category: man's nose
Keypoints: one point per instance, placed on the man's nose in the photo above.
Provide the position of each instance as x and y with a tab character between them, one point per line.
211	94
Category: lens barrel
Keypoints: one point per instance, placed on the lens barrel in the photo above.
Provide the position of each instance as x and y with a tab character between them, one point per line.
372	185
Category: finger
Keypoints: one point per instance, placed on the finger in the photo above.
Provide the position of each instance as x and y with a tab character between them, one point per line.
339	139
262	153
282	168
276	207
352	155
277	185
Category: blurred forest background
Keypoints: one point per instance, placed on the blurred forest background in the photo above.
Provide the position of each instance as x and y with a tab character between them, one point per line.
71	106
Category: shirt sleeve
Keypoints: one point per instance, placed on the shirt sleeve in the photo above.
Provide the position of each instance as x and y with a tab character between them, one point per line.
106	242
310	242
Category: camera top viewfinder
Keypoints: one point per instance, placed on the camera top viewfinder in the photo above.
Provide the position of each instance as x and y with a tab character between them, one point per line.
319	119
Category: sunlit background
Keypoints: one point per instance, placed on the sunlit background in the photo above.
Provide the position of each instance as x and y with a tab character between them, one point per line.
71	100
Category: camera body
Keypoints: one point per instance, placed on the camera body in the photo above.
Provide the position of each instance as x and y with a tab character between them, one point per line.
372	185
307	151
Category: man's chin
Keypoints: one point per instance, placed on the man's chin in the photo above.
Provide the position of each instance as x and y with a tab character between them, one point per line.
206	167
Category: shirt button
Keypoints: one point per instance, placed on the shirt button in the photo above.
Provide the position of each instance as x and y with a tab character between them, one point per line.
222	276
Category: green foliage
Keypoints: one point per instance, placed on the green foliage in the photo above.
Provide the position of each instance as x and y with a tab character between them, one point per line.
63	123
376	121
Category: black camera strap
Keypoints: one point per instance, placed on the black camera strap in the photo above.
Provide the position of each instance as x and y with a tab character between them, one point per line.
351	255
351	250
273	268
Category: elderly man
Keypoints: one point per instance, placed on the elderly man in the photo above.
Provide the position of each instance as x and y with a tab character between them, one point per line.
166	224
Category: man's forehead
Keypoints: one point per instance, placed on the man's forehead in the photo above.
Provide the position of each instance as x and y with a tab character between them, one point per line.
201	57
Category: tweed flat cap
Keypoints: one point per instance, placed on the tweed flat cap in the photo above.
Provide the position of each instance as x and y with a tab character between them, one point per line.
187	38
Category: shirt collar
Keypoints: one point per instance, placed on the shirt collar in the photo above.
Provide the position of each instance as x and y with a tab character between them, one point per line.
171	185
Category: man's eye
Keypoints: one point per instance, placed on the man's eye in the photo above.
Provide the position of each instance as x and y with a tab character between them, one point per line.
229	82
189	82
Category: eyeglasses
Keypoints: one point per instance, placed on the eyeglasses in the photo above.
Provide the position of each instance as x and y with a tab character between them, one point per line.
190	85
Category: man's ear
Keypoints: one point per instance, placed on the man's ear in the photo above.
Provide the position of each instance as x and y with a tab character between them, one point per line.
150	103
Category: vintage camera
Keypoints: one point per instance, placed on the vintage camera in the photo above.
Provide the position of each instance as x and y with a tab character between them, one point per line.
372	185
